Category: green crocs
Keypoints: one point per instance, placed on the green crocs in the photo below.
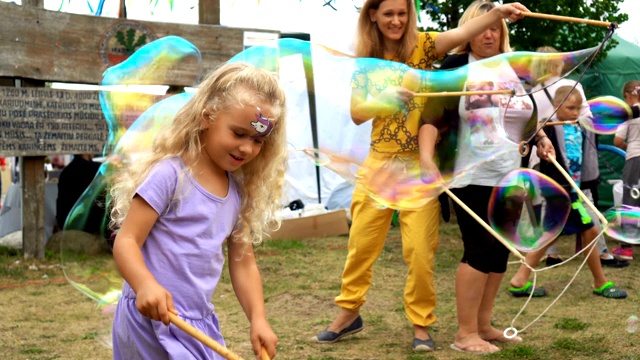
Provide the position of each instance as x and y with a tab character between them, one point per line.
609	290
525	291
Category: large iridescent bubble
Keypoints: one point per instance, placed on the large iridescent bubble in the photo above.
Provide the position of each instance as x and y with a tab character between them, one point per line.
624	223
406	186
133	118
609	113
528	209
338	143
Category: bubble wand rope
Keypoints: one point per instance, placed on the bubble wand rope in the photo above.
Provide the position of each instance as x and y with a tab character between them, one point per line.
484	224
209	342
570	19
511	332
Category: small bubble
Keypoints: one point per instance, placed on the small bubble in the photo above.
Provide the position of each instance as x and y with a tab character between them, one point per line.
632	324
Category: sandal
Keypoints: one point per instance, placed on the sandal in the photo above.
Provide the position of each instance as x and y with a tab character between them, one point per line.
525	291
609	290
468	349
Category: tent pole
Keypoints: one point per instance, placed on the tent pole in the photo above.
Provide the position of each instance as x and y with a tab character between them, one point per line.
311	94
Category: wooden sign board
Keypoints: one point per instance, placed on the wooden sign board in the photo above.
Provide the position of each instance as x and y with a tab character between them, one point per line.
41	121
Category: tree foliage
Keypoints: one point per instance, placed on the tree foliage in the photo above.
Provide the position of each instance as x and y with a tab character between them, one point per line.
530	33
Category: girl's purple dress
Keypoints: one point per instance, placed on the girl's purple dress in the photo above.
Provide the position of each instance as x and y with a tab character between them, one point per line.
184	253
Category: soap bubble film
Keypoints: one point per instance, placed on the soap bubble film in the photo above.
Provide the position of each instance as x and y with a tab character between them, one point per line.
528	209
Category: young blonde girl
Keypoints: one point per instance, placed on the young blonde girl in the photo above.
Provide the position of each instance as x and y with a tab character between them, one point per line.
214	173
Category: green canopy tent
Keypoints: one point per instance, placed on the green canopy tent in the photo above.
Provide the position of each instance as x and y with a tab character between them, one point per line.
607	78
609	75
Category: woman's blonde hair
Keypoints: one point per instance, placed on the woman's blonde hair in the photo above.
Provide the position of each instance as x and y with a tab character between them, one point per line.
260	181
543	67
370	41
632	87
477	8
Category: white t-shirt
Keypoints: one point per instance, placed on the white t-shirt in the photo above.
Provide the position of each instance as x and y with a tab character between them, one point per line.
490	125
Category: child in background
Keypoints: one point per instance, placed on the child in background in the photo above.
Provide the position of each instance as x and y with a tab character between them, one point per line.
214	174
567	140
550	73
628	138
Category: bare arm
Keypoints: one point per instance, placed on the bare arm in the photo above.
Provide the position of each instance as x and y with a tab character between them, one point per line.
620	143
427	138
448	40
247	285
152	300
363	109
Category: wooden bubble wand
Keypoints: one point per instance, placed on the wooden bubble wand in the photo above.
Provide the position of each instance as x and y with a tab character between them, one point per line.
465	93
570	19
568	122
209	342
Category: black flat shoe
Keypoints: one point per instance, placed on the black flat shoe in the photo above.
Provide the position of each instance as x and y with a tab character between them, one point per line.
327	337
614	263
550	261
423	345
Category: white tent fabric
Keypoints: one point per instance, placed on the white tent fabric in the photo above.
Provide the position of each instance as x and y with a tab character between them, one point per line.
336	132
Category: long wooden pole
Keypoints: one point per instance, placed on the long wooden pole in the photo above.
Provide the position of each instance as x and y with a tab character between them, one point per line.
484	224
570	19
206	340
570	122
464	93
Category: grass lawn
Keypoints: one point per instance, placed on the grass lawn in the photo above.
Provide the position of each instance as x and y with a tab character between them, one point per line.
43	317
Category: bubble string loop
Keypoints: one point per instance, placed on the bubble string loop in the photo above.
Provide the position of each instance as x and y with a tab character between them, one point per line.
511	331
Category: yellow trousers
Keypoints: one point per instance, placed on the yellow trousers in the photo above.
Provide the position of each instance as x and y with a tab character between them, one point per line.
369	228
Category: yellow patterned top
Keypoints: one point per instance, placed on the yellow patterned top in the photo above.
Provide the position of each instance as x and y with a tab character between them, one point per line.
397	132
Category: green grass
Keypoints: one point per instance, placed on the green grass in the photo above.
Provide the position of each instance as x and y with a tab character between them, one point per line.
46	318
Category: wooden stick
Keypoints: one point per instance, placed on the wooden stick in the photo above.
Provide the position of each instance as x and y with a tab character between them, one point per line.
206	340
551	123
584	197
569	19
264	355
484	224
463	93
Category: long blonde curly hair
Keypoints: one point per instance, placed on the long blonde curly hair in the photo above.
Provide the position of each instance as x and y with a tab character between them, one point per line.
260	181
370	41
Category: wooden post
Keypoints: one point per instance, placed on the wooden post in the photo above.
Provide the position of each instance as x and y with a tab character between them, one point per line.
122	13
209	12
35	3
33	197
